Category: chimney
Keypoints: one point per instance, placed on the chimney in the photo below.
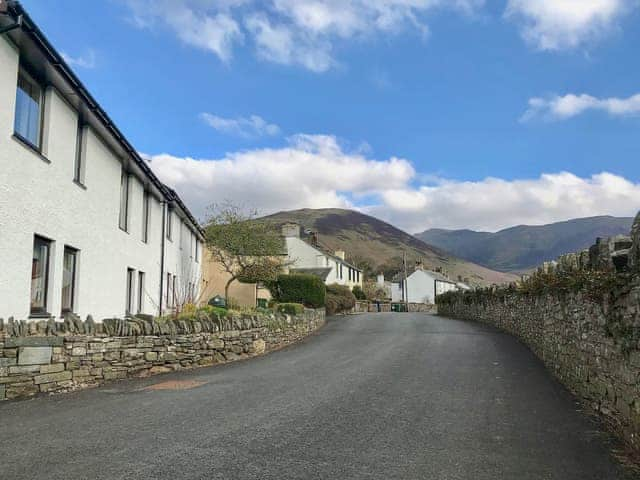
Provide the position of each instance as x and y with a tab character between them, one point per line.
340	254
291	230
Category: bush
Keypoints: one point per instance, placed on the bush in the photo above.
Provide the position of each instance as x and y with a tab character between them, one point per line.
210	309
291	308
339	299
358	292
308	290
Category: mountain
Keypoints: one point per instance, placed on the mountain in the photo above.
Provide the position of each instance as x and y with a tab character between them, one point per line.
524	247
377	246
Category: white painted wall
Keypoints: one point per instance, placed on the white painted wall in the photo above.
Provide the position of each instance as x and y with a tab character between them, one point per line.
422	288
40	198
303	255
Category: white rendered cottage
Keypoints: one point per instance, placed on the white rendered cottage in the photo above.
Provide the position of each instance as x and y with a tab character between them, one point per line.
422	286
305	257
85	226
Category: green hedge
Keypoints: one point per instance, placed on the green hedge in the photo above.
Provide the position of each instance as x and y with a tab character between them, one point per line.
359	293
339	299
291	308
308	290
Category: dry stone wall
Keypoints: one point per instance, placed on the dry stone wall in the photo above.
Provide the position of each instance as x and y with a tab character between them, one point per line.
581	316
51	356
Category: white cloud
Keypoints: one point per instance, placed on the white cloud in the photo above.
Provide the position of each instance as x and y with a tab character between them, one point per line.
251	127
570	105
203	24
492	204
312	171
315	171
87	60
565	24
289	32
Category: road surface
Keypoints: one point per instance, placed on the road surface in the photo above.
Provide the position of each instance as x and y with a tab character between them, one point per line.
380	396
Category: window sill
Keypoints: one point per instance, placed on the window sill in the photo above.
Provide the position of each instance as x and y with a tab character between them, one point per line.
80	184
123	230
40	315
30	146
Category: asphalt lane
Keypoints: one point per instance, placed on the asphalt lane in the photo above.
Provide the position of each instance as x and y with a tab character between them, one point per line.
380	396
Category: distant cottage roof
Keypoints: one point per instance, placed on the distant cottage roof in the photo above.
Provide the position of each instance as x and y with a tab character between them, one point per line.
306	238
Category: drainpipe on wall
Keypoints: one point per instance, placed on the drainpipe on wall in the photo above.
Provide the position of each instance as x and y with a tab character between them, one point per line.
162	252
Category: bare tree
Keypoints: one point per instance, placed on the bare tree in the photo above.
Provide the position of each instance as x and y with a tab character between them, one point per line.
250	251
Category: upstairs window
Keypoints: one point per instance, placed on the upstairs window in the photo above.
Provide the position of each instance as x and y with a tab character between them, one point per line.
78	167
28	119
170	224
124	200
146	201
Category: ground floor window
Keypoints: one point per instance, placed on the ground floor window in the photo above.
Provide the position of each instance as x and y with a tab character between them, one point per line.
130	285
40	275
69	270
140	292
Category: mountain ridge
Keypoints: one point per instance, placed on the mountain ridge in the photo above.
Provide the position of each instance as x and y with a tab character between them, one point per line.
523	247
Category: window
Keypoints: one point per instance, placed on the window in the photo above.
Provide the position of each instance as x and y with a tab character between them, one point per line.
124	200
197	249
168	294
40	275
173	292
29	101
140	292
78	167
130	286
169	223
146	202
69	270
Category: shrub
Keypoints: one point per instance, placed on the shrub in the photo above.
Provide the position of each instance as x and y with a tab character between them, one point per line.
210	309
358	292
291	308
339	299
308	290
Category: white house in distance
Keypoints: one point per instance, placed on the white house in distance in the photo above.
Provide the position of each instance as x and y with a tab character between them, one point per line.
422	286
305	257
85	226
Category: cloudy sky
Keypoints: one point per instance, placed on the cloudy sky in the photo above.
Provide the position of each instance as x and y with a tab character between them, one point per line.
478	114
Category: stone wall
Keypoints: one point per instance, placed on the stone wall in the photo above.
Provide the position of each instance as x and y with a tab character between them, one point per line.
51	356
385	307
581	316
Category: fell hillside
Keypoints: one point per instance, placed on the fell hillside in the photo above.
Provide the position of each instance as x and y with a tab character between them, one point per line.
376	246
524	247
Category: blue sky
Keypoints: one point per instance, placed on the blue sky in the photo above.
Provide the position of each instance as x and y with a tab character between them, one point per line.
427	113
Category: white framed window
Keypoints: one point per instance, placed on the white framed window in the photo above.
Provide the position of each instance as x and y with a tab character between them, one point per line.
141	278
79	166
29	106
69	278
146	214
131	278
40	275
124	201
